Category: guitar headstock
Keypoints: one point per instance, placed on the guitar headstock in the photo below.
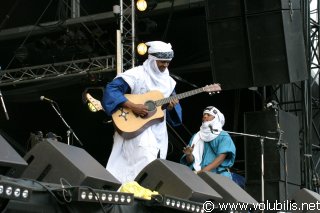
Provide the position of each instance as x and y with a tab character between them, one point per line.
94	104
212	88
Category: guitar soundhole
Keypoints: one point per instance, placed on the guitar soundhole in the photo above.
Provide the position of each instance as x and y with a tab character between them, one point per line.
150	105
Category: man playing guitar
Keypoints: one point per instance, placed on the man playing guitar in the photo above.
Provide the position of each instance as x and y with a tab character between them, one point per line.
130	155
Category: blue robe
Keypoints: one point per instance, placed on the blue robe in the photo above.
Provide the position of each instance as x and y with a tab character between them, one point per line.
212	149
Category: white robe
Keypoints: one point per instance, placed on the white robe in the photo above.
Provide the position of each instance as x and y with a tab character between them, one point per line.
129	156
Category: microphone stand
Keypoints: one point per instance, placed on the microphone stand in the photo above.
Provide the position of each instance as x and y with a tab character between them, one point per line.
4	106
262	139
70	131
283	146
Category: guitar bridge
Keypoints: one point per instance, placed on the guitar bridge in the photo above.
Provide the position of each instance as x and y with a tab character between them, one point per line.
123	113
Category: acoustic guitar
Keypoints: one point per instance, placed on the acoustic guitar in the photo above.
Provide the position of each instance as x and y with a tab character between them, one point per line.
129	124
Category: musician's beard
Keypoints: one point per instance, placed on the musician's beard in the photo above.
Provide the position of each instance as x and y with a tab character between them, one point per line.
155	67
158	80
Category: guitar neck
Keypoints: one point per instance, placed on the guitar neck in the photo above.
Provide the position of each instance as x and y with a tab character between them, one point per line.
179	96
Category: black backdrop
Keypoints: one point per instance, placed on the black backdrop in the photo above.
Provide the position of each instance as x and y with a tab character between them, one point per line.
187	32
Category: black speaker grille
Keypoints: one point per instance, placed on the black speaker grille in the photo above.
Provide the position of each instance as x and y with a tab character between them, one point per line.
53	161
259	43
264	123
177	180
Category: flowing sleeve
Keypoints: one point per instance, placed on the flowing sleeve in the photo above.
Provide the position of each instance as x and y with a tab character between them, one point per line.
174	116
113	95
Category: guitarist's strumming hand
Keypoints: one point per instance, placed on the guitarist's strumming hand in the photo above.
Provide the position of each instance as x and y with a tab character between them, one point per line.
138	109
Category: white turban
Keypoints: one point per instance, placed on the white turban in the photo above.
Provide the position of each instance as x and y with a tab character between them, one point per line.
159	50
211	110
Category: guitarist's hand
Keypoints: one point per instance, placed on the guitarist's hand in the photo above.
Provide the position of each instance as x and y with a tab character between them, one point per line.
172	104
138	109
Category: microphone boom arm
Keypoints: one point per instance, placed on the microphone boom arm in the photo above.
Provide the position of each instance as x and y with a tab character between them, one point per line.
261	139
67	125
250	135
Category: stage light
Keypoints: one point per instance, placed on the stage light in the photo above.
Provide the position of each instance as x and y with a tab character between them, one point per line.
8	190
25	193
177	203
17	192
12	190
141	5
94	195
116	10
142	49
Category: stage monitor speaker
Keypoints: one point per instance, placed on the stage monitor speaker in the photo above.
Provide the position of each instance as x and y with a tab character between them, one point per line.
171	178
228	189
264	123
51	161
306	200
257	49
11	163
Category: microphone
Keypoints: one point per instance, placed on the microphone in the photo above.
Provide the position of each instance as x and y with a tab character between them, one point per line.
42	98
212	130
273	105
